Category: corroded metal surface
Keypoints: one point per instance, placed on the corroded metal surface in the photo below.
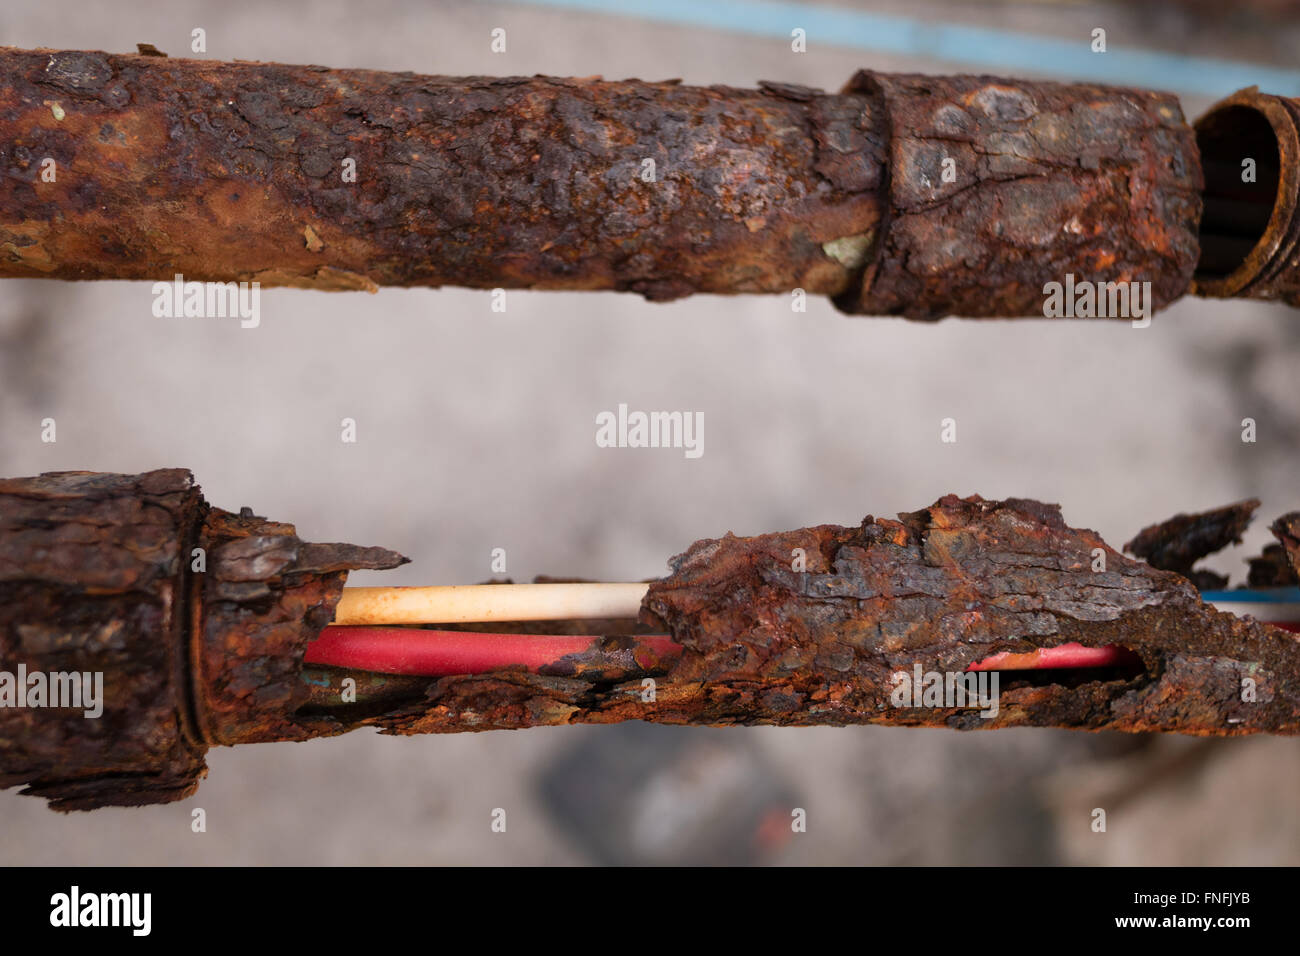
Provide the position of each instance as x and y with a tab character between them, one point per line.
225	171
1287	531
265	596
91	581
100	573
767	643
200	620
1044	180
1279	565
1179	542
900	195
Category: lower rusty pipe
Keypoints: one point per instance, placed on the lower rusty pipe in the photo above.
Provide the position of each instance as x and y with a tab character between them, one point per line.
199	623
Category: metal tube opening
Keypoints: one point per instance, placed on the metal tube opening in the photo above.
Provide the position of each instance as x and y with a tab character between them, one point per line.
1247	145
1239	156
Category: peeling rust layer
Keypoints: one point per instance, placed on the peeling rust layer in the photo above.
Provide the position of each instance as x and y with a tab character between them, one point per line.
1046	180
1178	543
943	588
233	171
91	580
265	596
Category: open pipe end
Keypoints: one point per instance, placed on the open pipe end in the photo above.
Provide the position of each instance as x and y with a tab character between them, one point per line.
1249	150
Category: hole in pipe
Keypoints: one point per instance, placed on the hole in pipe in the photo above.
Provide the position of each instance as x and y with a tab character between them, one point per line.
1236	213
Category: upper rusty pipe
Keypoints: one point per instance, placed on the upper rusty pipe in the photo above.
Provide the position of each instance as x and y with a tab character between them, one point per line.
900	195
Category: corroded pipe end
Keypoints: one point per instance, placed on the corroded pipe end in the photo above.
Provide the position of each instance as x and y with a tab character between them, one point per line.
92	598
265	595
1250	232
173	626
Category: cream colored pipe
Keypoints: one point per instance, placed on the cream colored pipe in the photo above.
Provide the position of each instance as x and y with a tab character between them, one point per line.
463	604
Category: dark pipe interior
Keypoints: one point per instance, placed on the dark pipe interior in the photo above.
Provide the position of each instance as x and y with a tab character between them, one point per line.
1236	213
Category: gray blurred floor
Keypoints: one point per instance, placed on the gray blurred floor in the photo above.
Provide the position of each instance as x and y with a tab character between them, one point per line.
476	431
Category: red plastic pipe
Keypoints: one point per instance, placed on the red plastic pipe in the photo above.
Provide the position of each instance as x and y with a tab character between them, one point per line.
1071	655
415	651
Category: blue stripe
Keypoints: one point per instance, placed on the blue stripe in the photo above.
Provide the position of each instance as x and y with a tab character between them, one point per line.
1253	596
1000	50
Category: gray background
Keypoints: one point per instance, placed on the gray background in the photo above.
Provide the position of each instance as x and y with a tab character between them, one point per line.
476	431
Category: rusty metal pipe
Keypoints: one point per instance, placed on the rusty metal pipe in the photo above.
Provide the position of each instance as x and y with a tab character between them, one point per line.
900	195
199	621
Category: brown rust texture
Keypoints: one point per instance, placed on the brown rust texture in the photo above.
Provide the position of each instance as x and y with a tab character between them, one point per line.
1044	180
235	171
224	171
811	626
91	581
1179	542
199	620
266	595
196	618
1287	531
1271	569
1279	565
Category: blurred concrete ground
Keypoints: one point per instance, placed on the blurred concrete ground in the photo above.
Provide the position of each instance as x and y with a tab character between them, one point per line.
476	431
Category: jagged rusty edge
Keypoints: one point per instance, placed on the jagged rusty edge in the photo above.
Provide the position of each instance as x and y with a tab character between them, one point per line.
91	569
1178	543
515	182
764	643
950	585
941	588
1050	179
265	596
